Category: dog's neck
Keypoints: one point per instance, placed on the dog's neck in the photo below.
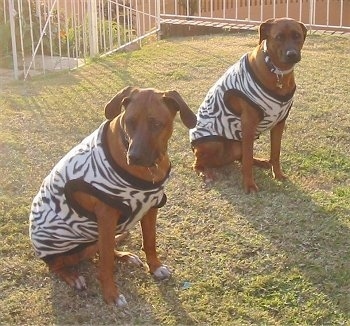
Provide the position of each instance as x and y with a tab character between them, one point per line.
273	68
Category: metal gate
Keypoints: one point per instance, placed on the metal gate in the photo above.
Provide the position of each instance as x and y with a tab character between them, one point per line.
41	35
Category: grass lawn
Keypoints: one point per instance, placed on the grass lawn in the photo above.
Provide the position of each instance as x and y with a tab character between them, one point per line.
281	256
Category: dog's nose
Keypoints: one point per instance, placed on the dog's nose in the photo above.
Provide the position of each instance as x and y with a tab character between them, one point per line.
134	159
292	56
141	159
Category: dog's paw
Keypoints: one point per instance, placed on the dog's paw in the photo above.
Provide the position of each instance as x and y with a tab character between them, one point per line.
121	301
121	237
162	273
128	257
279	175
250	188
72	278
262	163
135	260
79	283
208	176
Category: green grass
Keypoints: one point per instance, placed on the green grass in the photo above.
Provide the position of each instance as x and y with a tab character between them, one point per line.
278	257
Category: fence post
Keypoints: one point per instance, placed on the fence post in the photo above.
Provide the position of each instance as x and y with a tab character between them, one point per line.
93	32
157	14
12	14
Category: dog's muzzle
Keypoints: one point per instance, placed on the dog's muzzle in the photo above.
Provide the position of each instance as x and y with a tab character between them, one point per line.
142	156
140	160
292	56
138	154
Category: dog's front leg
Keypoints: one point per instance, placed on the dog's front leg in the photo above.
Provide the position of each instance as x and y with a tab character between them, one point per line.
107	218
250	120
148	226
276	139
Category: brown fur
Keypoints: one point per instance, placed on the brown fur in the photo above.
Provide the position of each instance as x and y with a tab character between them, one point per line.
281	35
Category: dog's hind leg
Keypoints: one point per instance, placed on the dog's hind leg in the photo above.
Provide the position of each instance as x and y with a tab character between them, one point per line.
125	256
214	154
62	266
262	163
121	237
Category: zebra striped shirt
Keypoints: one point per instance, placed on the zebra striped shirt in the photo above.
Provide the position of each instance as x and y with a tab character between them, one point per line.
59	224
215	120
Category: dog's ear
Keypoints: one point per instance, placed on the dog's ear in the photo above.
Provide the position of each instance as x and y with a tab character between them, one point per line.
173	100
304	29
114	106
264	29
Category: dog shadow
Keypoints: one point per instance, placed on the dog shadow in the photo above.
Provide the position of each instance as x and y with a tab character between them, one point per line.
141	290
313	238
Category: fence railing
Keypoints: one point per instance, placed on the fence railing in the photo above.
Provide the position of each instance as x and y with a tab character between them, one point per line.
316	14
42	35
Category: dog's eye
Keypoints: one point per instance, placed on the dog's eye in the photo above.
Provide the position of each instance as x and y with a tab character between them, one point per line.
279	37
130	124
296	36
154	124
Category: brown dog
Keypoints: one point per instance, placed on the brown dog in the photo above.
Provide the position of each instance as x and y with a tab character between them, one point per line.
253	95
105	185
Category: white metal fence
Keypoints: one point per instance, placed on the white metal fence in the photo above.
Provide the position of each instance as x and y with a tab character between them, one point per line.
60	34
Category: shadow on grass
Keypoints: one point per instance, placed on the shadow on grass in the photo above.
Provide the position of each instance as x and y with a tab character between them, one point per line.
142	292
314	239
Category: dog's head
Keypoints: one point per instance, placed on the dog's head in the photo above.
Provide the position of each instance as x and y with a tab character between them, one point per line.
284	39
146	121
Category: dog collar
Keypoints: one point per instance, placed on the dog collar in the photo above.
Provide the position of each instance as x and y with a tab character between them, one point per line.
275	70
124	138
